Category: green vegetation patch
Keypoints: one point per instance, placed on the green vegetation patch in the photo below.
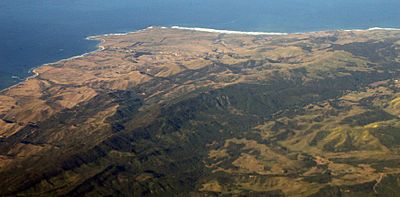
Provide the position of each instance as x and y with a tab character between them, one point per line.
368	117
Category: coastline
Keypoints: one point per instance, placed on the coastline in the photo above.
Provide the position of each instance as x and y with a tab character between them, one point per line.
274	33
35	73
227	31
99	47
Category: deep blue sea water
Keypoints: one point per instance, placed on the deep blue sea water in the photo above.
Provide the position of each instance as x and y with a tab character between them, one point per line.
34	32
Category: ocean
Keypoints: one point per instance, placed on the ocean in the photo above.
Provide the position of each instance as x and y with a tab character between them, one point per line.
35	32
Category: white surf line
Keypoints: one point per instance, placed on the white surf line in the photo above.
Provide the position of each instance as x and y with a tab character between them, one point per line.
374	29
227	31
349	30
275	33
96	37
383	28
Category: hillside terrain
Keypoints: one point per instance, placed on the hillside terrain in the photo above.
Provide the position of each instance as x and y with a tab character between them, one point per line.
169	112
